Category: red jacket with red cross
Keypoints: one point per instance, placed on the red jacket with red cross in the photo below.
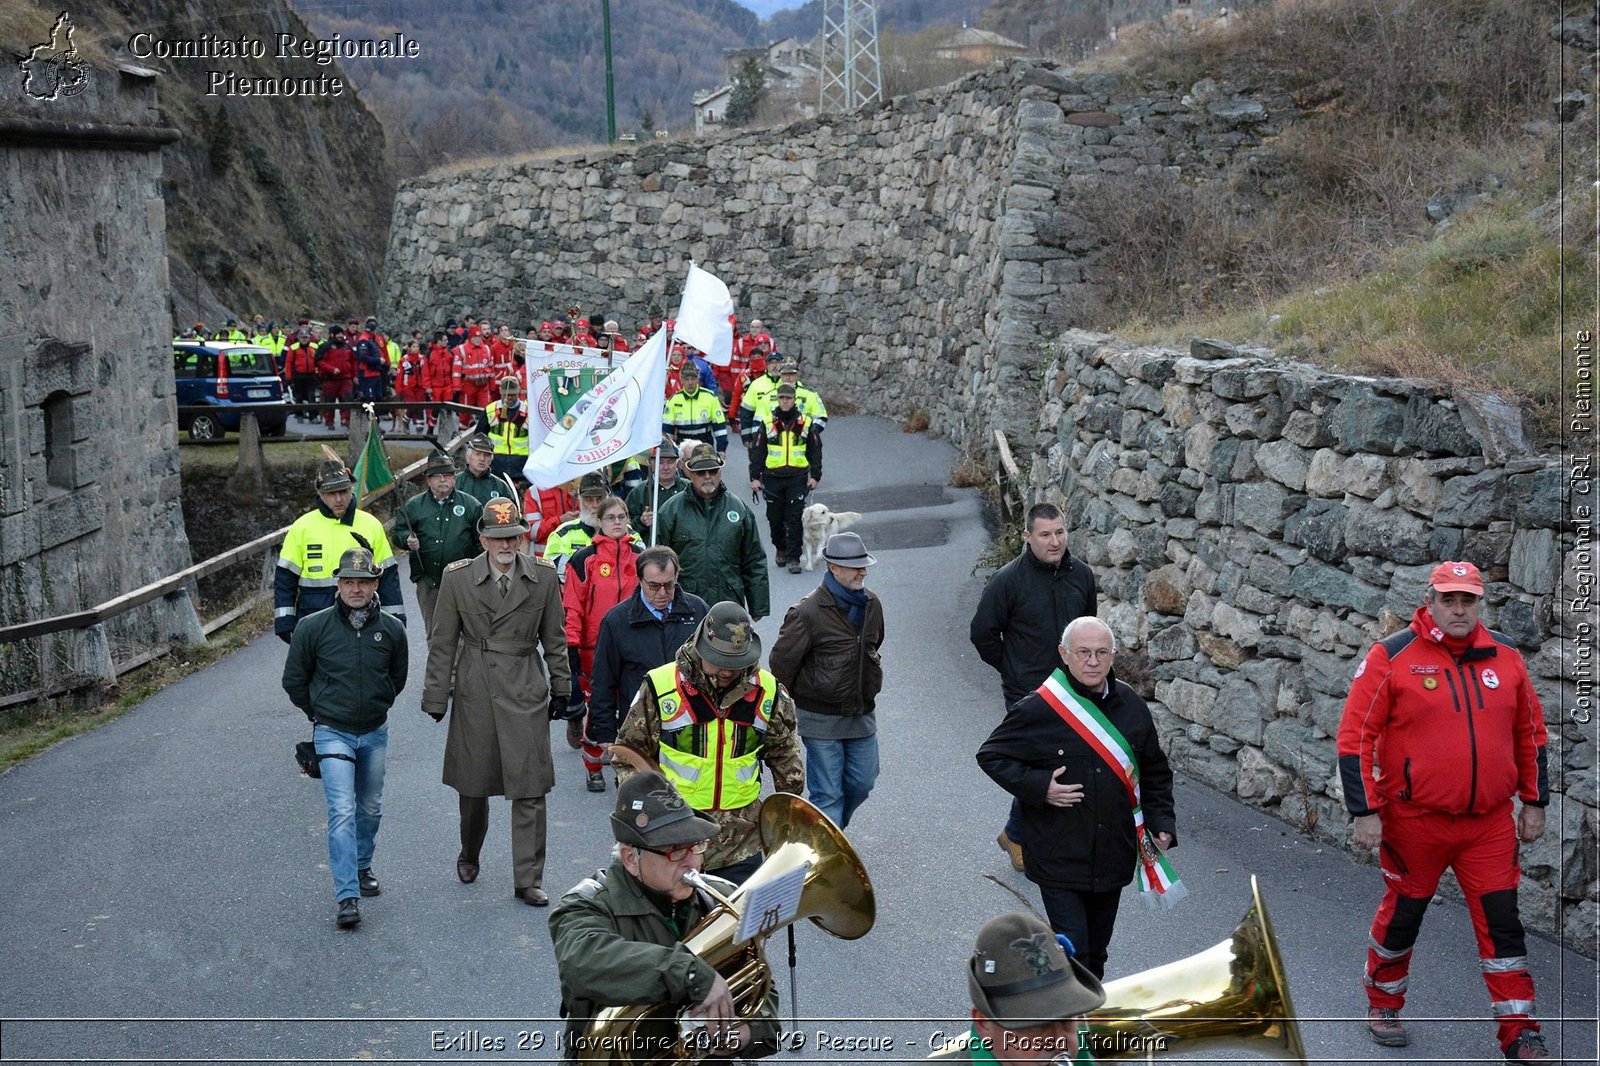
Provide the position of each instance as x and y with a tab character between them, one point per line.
1446	732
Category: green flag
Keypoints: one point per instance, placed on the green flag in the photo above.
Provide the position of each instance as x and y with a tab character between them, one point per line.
372	466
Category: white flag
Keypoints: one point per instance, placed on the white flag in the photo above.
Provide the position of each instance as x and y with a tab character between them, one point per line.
620	416
703	316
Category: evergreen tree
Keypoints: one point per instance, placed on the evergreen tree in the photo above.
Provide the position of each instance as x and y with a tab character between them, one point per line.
749	89
221	141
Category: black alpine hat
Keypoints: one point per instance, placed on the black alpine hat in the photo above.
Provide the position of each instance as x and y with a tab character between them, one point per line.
651	814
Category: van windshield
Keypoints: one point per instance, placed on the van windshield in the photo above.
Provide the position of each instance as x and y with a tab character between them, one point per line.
251	363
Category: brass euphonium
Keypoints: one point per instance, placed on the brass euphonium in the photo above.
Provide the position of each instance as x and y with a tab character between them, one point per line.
836	896
1232	991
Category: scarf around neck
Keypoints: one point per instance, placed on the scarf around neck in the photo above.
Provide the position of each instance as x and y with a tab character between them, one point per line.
852	602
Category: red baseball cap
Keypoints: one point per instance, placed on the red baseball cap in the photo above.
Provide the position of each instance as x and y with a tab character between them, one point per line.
1451	576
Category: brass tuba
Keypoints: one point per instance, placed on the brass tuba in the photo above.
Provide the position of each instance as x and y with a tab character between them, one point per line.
836	896
1231	991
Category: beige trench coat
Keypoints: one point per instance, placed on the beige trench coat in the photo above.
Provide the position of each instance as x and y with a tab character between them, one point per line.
499	742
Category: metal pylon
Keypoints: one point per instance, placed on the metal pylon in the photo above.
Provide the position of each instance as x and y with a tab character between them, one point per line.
850	77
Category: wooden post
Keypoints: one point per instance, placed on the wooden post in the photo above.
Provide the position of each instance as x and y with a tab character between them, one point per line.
249	479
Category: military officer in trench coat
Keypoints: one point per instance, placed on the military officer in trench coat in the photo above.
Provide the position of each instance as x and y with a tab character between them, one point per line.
495	611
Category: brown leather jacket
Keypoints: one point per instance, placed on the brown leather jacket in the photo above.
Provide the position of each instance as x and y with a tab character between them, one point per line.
826	664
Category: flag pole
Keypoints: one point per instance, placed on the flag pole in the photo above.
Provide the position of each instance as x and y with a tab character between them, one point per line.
655	491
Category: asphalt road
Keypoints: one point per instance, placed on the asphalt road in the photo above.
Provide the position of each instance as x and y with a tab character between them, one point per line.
167	896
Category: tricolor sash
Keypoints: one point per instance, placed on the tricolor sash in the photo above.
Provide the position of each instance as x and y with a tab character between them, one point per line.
1159	884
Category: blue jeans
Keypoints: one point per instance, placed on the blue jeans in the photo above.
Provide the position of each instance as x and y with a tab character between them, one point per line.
354	791
840	774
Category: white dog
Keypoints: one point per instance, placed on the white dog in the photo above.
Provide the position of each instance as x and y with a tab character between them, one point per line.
820	524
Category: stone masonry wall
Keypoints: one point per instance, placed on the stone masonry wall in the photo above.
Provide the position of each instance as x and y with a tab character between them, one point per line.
85	364
918	255
1255	525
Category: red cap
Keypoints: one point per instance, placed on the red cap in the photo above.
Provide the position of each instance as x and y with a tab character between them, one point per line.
764	338
544	325
1451	576
474	332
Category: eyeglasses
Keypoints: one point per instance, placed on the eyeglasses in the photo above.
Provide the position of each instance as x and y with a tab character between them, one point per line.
1091	655
659	586
622	517
681	852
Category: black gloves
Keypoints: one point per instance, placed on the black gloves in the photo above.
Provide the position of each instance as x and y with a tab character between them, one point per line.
558	708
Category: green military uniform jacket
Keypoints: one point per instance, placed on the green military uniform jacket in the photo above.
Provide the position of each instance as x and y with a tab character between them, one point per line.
719	549
616	945
344	678
485	488
446	529
639	501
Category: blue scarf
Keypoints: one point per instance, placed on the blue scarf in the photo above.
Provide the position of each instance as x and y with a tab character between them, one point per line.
854	604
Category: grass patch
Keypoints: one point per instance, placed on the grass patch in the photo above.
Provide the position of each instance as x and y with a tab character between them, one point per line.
200	458
1318	244
917	421
1479	307
33	728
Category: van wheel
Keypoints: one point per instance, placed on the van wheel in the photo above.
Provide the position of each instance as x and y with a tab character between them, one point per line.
205	427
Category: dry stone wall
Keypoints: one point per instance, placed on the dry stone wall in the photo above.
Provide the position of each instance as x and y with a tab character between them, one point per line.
1256	524
919	255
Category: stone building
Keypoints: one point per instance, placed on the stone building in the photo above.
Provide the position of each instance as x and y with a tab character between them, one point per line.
89	475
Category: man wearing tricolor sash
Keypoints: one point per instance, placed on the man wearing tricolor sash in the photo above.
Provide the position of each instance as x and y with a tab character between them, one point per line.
1082	755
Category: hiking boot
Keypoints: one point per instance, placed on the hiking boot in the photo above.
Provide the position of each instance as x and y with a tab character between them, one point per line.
1384	1025
368	882
1012	849
1528	1047
349	913
575	732
596	782
794	566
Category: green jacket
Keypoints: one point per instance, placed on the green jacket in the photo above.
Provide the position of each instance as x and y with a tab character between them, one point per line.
639	500
485	488
343	678
719	548
615	946
446	530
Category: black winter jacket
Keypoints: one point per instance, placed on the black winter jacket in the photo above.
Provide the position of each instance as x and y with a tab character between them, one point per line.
631	643
1089	846
827	665
1021	614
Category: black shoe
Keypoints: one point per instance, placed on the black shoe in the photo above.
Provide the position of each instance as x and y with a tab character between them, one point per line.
466	869
1528	1047
533	897
575	732
596	782
368	883
349	913
794	566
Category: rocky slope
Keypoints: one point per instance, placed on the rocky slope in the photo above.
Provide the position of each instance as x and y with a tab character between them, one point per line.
275	205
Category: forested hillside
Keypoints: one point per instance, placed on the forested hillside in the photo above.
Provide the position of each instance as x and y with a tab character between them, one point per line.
278	206
498	76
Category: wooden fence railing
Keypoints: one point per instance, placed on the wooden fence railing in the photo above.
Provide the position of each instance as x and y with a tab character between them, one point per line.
95	664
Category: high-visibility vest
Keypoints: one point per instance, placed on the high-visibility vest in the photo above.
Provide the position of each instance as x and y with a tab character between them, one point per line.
509	437
728	775
786	445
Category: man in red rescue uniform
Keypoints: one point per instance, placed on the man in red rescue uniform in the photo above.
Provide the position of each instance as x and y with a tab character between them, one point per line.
438	376
1441	729
474	372
336	367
